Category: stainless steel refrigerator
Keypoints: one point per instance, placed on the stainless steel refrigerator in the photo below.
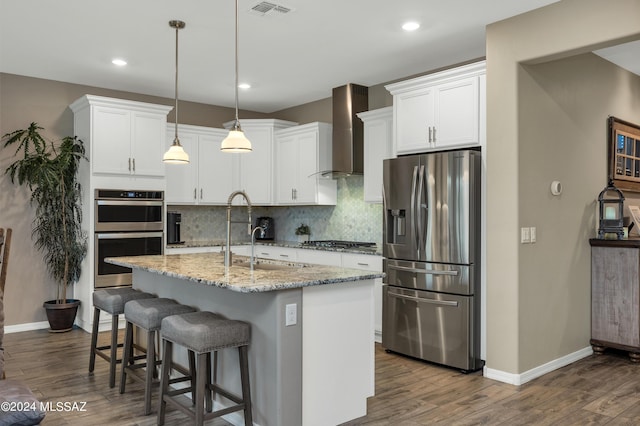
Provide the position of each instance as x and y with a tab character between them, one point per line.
431	249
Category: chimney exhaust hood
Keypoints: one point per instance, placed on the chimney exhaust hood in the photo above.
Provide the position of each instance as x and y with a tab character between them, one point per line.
348	130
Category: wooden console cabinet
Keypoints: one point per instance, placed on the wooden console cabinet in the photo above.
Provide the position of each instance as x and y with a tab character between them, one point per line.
615	296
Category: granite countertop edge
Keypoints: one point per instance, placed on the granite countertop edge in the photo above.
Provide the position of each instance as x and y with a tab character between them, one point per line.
275	243
242	280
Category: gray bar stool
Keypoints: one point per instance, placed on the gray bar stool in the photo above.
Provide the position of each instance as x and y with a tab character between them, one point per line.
111	301
147	314
203	333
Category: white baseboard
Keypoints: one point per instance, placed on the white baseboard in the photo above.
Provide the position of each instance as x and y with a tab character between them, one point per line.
527	376
26	327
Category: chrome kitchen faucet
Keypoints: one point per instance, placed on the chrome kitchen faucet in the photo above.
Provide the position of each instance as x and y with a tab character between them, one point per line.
227	254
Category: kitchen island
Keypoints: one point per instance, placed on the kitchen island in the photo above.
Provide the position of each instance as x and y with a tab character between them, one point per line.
311	357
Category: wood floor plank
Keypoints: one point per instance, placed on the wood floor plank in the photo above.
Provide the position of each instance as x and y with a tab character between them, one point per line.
596	390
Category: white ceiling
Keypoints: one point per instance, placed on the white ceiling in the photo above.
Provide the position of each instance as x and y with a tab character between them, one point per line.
289	59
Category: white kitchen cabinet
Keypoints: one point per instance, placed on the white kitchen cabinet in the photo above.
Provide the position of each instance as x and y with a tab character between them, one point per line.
319	257
439	111
286	254
207	179
301	153
378	146
374	264
124	137
254	171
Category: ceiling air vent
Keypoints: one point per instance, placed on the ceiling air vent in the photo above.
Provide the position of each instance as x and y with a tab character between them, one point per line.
268	8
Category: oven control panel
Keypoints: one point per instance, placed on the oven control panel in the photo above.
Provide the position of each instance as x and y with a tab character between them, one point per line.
118	194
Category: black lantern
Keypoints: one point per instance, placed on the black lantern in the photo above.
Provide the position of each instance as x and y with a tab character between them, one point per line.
611	203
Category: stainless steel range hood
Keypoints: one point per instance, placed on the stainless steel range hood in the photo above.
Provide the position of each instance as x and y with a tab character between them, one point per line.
348	137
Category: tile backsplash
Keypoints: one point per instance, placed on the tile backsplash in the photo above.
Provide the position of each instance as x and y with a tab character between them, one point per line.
351	219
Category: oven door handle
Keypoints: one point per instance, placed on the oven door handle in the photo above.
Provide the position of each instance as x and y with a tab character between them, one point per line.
118	235
429	301
128	203
422	271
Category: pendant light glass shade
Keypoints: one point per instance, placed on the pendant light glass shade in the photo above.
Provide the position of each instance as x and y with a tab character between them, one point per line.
176	153
236	141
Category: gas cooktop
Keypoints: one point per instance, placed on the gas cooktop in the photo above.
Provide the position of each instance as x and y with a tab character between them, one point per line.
339	244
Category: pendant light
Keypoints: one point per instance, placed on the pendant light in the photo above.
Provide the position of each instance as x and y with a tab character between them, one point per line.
176	154
236	141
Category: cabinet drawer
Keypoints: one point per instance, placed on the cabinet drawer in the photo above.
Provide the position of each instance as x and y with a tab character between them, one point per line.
319	257
275	253
362	261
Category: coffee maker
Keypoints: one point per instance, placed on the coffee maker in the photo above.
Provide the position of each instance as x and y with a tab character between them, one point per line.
268	233
174	221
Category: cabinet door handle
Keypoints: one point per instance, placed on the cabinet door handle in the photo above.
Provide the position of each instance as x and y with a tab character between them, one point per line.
201	193
430	137
363	264
434	134
284	255
292	194
129	163
134	165
195	193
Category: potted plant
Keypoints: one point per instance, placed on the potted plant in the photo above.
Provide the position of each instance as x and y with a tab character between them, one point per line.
303	233
49	170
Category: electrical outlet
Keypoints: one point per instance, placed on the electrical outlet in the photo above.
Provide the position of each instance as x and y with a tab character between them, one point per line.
532	234
291	314
525	235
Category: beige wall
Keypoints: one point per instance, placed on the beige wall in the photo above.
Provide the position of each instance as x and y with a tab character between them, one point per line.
23	100
538	296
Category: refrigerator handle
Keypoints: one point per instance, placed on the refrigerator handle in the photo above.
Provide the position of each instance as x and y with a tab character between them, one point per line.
422	271
418	206
414	183
421	300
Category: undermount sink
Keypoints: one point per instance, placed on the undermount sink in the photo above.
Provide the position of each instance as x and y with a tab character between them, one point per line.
267	265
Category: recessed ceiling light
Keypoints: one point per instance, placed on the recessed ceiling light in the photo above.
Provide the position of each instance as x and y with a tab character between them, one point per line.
119	62
410	26
244	86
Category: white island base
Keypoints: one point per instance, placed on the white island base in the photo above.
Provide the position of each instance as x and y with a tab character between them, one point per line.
319	371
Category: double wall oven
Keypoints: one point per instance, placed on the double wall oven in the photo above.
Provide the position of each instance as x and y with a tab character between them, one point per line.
127	223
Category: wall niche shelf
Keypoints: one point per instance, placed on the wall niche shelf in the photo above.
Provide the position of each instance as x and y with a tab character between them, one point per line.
624	154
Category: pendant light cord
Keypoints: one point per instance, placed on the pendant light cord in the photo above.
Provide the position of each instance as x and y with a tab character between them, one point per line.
237	124
176	118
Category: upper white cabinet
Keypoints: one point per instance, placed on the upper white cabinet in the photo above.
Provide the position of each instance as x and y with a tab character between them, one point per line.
254	172
439	111
378	146
124	137
301	153
207	178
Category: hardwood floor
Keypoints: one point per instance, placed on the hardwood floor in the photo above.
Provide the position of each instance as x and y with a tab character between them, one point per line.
596	390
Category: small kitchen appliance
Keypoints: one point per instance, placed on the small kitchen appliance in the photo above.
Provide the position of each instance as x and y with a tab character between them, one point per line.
269	232
174	222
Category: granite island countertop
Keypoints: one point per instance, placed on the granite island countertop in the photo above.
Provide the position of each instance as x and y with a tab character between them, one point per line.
276	243
208	269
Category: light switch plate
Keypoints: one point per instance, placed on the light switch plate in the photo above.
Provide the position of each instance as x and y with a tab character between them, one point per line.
525	235
532	234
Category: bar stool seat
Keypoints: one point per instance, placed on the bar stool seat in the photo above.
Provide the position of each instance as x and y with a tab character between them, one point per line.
111	301
147	314
203	333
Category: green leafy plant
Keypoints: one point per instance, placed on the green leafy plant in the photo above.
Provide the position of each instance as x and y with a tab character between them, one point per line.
303	230
49	170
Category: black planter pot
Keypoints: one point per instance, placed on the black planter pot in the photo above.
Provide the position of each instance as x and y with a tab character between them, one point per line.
61	315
